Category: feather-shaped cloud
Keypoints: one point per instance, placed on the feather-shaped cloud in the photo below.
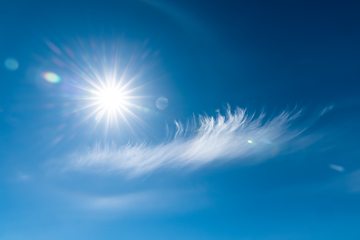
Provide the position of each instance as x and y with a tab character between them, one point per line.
233	136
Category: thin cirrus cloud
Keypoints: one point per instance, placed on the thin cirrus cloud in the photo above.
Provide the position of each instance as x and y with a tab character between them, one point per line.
178	200
235	135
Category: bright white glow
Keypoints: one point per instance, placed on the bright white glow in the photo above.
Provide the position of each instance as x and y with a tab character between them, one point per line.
104	80
111	99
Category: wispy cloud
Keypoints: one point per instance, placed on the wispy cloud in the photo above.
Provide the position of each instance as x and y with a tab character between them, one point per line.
144	201
119	202
233	136
336	167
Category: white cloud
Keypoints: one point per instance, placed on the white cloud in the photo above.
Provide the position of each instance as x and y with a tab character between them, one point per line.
145	201
352	181
336	167
233	136
120	202
23	177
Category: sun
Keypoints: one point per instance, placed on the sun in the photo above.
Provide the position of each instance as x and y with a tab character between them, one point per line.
105	82
111	99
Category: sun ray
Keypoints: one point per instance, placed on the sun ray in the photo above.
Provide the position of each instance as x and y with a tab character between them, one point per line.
106	83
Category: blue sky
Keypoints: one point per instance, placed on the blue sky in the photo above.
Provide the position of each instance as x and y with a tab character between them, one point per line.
154	119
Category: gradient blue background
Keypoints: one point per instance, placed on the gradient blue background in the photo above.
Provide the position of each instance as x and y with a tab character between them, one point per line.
258	55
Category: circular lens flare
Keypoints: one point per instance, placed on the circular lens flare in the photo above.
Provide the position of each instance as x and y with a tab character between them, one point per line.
162	103
51	77
11	64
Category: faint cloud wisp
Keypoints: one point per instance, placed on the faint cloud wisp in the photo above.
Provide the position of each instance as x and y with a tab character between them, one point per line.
336	167
145	201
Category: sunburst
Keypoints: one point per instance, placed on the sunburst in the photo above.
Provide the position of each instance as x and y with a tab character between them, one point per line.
111	99
107	82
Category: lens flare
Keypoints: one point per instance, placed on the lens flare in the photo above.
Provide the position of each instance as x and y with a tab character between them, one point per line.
11	64
162	103
51	77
